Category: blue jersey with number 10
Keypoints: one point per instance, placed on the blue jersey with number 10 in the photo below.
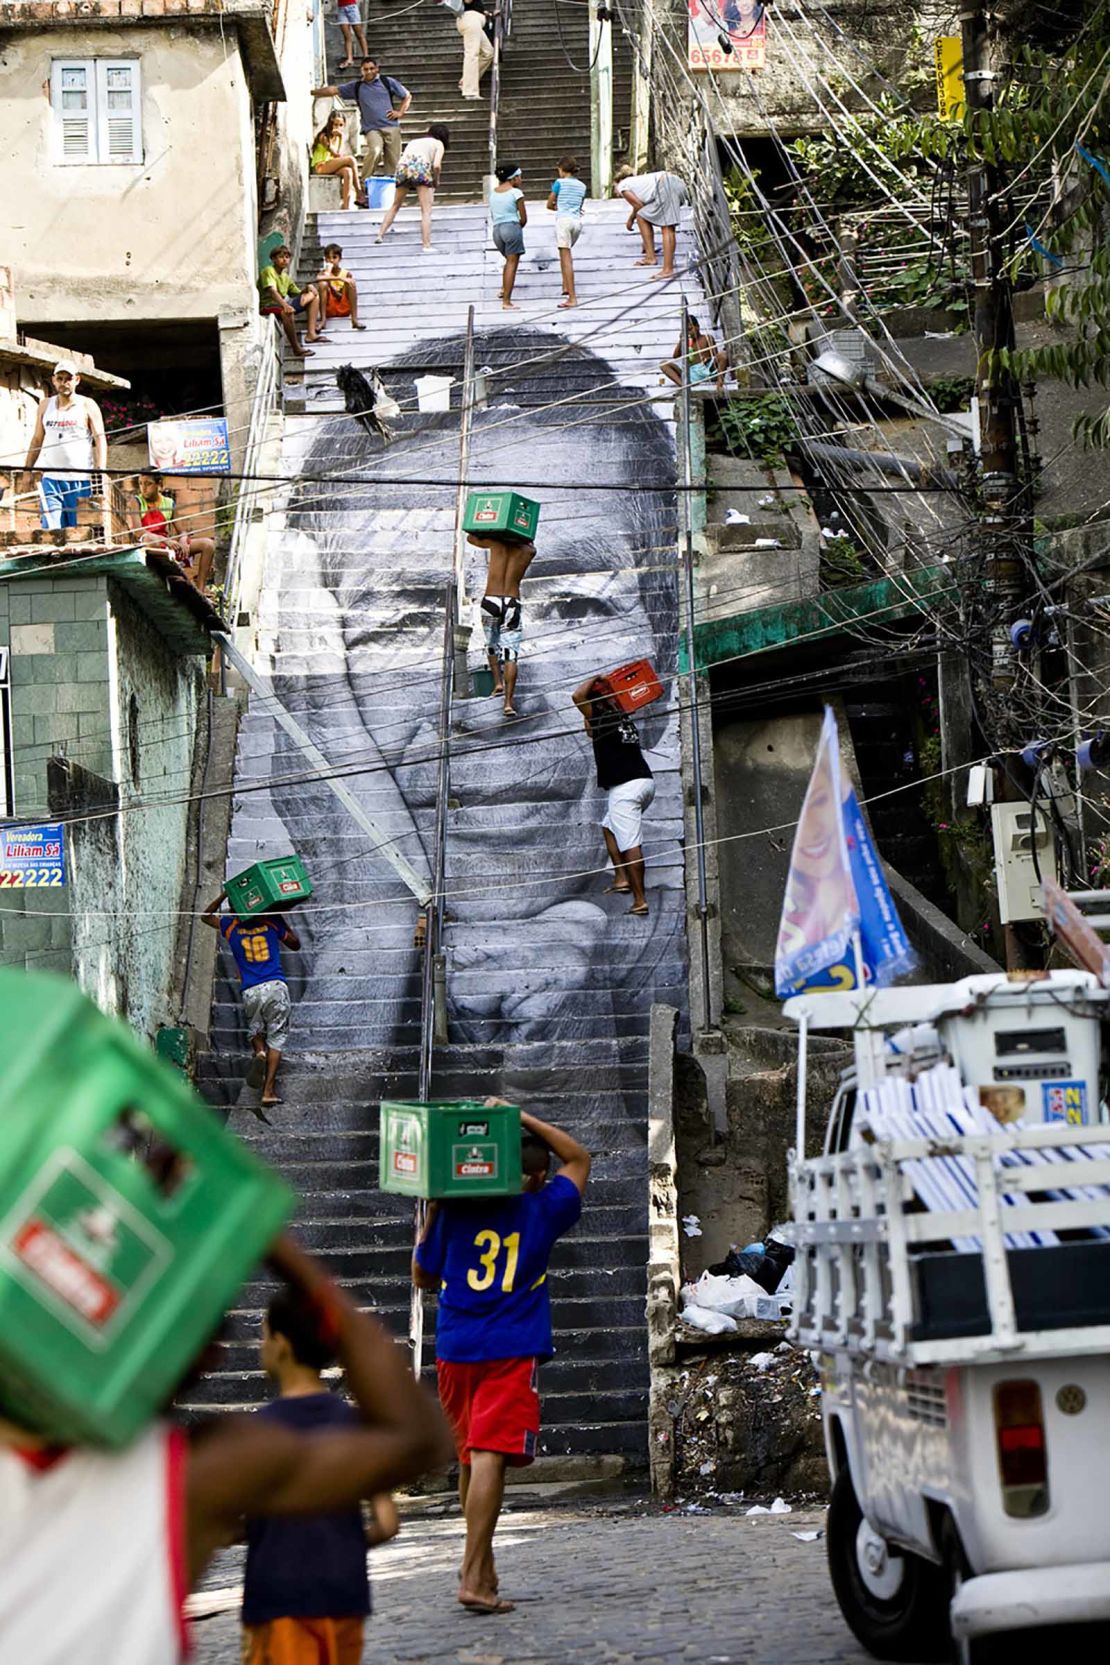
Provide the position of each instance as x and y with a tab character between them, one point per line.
492	1259
254	943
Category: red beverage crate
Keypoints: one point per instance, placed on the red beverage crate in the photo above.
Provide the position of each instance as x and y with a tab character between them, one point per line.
633	686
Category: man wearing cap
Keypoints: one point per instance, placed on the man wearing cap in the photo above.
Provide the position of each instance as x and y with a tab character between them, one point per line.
68	444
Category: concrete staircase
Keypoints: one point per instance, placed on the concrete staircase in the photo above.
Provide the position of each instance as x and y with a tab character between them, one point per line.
545	103
549	981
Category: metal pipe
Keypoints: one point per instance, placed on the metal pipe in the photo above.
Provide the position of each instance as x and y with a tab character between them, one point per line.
884	462
693	707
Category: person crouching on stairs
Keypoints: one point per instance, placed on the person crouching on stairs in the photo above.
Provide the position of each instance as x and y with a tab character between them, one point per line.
488	1260
502	613
256	946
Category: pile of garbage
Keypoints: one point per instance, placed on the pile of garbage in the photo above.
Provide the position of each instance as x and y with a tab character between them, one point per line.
747	1427
754	1282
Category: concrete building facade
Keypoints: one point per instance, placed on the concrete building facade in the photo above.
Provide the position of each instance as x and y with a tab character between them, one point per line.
104	659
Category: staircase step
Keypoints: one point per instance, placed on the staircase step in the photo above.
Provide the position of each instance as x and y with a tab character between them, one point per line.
549	984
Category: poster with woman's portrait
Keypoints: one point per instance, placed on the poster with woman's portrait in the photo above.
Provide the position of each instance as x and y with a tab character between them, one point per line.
726	34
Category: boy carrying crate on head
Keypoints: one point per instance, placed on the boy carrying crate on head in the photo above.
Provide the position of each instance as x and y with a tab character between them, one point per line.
488	1260
256	946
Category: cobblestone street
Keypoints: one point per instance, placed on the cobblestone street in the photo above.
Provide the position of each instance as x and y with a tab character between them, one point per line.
611	1585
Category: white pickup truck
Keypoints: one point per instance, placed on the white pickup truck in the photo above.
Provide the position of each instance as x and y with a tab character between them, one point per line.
953	1282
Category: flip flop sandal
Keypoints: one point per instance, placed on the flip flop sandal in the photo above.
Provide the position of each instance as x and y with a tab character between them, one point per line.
489	1607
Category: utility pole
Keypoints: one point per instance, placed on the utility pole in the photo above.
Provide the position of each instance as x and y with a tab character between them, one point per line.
1005	523
640	123
601	100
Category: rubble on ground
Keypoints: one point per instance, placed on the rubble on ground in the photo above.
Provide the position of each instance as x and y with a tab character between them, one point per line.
748	1424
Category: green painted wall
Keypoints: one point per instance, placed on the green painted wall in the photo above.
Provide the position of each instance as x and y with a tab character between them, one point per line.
93	679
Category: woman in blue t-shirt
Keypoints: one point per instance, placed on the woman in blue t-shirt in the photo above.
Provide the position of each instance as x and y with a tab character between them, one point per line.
509	216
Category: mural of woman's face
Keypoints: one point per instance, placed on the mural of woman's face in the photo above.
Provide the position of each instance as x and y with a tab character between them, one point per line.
523	839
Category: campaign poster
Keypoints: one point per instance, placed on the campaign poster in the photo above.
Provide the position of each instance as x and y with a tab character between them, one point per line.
32	857
726	34
189	445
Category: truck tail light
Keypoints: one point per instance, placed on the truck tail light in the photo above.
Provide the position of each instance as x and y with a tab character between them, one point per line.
1022	1451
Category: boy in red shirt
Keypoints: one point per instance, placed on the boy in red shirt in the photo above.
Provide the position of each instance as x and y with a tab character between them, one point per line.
488	1260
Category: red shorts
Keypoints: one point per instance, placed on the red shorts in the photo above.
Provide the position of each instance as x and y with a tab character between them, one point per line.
492	1405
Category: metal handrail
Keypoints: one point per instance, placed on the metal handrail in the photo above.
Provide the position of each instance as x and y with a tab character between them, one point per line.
267	399
502	26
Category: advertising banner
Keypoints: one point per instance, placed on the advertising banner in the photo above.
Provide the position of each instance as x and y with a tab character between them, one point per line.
189	445
820	910
726	34
32	857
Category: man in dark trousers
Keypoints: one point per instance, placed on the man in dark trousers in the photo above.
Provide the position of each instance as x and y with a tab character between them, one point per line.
622	772
256	946
488	1259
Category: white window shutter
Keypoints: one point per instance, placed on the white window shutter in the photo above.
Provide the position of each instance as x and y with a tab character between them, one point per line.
119	110
72	95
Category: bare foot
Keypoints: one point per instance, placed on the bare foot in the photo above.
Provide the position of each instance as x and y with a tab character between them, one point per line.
509	306
644	262
563	305
663	274
484	1604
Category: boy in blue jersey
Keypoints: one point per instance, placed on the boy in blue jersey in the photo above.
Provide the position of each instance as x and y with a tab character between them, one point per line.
256	946
488	1259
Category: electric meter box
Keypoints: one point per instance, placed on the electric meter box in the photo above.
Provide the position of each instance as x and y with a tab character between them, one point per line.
1017	829
129	1218
456	1148
501	513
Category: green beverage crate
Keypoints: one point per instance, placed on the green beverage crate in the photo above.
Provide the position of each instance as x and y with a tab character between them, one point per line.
455	1148
129	1218
504	512
268	884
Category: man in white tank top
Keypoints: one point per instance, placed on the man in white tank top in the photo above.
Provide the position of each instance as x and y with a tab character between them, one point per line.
98	1548
67	445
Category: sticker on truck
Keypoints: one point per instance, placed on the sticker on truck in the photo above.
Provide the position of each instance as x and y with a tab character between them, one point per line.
1065	1101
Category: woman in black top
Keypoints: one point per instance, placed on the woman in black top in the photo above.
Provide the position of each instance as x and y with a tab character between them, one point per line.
622	772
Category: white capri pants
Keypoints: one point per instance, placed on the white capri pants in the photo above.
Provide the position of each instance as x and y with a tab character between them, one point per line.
625	813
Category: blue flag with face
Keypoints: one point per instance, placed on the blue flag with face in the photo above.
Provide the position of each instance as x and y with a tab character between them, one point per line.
886	948
835	890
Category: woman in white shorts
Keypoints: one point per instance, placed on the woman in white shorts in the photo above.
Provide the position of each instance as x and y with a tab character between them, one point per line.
623	772
419	170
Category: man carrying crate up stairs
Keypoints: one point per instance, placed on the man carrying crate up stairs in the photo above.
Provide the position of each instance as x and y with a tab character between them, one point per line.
130	1219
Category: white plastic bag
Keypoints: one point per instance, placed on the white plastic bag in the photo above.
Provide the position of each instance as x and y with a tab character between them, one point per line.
713	1323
